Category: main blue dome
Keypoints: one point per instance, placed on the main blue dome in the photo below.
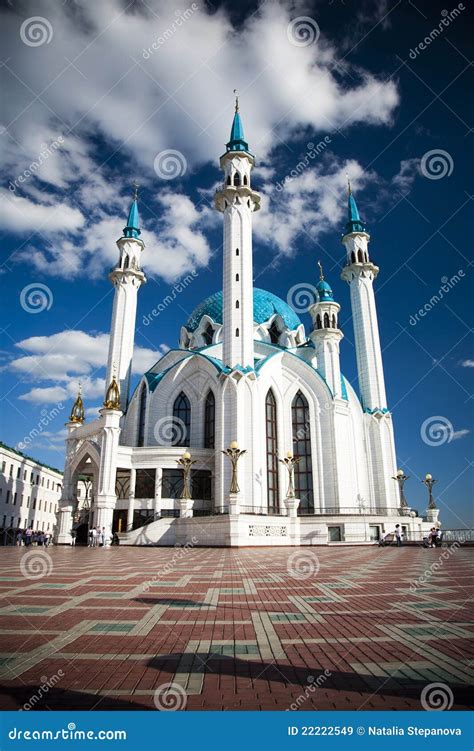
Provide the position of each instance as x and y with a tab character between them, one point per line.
265	305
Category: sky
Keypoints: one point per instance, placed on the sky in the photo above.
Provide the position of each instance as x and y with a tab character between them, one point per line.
99	95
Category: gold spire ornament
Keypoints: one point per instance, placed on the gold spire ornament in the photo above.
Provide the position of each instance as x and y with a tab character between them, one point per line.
112	396
77	412
236	100
321	275
135	186
349	189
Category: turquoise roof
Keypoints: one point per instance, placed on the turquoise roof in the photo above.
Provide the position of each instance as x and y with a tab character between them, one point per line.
324	291
237	140
132	228
354	223
265	305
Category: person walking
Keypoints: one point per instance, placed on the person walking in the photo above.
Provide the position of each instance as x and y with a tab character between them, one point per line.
94	537
28	536
19	538
73	537
398	535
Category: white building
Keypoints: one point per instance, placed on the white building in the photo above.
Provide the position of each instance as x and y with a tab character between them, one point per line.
246	373
29	493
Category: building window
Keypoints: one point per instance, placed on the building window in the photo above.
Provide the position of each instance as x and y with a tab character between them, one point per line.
302	450
172	483
201	484
326	321
7	499
237	252
335	534
181	420
209	420
237	180
18	473
274	333
237	304
272	450
11	470
208	334
15	496
374	532
145	483
142	417
237	332
24	475
4	464
28	502
237	277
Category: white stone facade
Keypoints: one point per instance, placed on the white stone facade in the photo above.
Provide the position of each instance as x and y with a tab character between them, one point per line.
246	374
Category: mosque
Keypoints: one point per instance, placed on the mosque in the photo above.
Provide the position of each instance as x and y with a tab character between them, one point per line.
248	433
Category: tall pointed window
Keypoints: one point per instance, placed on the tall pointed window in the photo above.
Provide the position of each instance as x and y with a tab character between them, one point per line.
274	333
181	420
209	421
272	450
208	334
141	417
302	450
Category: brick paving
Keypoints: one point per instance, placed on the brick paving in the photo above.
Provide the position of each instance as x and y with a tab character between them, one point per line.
275	628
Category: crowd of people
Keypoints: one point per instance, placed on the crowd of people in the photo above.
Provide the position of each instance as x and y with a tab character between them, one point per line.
433	539
33	537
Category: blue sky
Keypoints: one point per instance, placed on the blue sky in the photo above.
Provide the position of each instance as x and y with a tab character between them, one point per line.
99	94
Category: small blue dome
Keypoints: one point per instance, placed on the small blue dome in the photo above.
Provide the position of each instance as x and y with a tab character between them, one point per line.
265	305
324	291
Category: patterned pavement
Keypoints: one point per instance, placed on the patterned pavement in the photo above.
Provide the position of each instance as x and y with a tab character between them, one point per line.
299	628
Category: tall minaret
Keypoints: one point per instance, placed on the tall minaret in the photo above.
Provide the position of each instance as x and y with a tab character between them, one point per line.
360	272
127	277
237	201
326	334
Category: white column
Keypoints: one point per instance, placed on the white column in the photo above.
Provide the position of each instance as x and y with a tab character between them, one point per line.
131	499
158	483
106	498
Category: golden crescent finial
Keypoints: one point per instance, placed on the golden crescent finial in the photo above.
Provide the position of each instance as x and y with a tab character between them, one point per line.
321	275
236	100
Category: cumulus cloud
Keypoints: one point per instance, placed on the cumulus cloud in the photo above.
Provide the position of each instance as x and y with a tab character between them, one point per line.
64	358
114	118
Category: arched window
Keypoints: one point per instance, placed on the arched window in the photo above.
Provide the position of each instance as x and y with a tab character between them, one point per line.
237	332
181	420
245	180
326	321
209	420
237	304
318	322
353	257
272	451
126	262
237	277
360	256
228	180
237	179
274	333
237	252
208	334
302	450
334	322
141	417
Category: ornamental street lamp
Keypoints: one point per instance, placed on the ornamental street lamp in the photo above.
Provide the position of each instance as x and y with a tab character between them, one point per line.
290	462
401	478
429	482
186	463
234	453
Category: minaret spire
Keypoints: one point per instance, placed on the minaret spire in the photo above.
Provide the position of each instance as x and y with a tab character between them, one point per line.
326	334
237	201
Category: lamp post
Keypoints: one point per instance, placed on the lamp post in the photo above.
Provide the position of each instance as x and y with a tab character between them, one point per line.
429	482
186	463
234	453
362	509
401	478
291	501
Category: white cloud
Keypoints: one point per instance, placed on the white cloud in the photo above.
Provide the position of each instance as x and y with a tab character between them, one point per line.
467	364
135	105
67	357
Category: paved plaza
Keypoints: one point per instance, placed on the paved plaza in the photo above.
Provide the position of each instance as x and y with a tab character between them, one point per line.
299	628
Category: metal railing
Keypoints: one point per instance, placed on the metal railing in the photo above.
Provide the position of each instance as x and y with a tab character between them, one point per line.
354	511
262	511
